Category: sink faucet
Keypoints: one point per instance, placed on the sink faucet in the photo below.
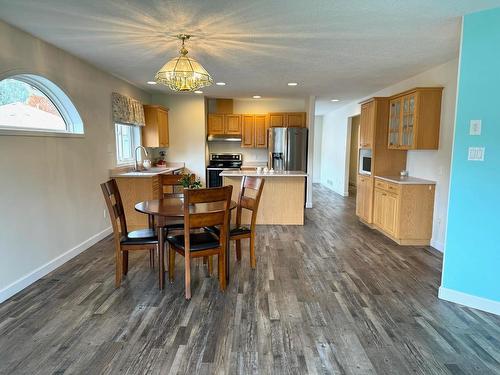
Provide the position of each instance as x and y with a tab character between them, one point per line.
136	164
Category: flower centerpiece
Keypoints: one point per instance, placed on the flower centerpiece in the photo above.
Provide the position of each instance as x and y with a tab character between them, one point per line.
189	181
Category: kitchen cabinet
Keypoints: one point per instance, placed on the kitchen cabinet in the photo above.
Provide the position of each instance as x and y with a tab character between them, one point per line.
232	124
248	131
403	212
254	131
155	131
219	124
367	125
215	124
260	131
287	119
364	198
414	119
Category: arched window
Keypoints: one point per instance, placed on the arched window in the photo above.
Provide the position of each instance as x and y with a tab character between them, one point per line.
31	103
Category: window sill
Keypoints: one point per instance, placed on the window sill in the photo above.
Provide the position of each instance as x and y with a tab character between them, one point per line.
39	133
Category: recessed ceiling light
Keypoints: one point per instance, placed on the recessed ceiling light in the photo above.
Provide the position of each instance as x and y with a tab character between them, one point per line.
334	100
151	83
220	83
256	96
198	92
292	83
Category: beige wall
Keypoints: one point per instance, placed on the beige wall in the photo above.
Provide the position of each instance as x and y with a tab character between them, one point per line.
186	121
353	156
52	205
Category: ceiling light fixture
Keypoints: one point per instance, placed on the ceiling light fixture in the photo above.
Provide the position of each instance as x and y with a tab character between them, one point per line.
292	83
151	83
220	83
256	96
183	73
334	100
198	92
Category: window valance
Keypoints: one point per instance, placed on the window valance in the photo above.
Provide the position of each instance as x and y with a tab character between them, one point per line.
127	110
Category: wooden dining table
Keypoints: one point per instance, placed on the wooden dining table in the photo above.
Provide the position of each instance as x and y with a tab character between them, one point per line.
173	208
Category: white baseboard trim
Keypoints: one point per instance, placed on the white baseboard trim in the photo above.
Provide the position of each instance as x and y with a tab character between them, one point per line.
469	300
40	272
437	245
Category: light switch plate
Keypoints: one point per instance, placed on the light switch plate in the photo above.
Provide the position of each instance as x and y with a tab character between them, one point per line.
475	127
476	154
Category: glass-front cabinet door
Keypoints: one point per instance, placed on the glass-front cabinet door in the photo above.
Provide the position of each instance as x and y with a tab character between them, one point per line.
395	123
408	124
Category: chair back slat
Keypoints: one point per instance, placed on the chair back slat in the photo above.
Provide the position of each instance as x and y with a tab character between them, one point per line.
213	216
115	207
255	184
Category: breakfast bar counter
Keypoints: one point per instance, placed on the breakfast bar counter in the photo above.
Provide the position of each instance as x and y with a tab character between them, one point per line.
283	198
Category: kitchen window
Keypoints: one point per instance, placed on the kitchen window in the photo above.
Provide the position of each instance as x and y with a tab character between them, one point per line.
128	137
33	105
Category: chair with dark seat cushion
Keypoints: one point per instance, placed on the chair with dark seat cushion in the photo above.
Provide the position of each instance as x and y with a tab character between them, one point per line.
201	244
125	241
234	231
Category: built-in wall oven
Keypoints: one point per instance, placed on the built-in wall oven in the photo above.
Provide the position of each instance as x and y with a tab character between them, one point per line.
365	161
219	163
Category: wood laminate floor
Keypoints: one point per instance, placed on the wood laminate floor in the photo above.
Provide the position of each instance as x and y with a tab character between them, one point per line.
330	297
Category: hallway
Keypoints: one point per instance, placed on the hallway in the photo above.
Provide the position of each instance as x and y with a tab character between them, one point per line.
330	297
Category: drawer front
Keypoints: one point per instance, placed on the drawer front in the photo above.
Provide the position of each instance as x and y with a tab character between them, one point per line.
393	188
381	184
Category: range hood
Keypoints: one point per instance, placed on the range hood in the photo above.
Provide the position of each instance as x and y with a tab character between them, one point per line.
224	138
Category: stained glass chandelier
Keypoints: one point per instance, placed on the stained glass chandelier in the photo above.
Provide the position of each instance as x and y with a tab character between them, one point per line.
183	73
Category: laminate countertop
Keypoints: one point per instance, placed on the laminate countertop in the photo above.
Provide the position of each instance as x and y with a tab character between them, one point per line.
262	174
406	180
151	172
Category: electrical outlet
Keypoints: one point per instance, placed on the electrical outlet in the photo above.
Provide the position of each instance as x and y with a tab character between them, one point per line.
475	127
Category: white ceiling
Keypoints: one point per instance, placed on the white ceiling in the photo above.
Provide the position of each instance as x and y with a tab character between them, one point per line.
341	49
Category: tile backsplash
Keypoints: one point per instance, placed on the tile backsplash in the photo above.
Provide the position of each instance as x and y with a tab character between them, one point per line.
252	156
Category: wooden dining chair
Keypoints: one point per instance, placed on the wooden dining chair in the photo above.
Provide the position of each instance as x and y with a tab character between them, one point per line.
199	213
125	241
169	188
251	202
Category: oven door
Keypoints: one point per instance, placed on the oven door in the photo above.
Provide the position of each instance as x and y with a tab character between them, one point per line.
213	178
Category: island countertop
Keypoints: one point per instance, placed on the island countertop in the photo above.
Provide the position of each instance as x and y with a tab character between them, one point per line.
253	173
406	180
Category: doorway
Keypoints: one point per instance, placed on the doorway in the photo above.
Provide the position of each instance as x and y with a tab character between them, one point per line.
353	154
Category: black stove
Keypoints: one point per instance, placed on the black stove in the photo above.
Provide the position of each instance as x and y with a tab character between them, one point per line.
220	162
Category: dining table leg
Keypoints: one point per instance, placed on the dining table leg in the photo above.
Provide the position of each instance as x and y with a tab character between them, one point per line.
161	252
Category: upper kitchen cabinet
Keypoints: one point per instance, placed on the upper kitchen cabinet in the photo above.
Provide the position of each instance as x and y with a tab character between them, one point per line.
414	119
287	119
215	124
254	131
367	125
155	133
223	124
232	124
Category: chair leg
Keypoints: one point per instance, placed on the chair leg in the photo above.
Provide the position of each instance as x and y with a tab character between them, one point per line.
125	262
253	261
152	258
222	272
187	275
118	270
238	250
210	266
171	264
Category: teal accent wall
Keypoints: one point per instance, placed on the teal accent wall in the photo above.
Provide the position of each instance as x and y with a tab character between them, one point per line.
472	252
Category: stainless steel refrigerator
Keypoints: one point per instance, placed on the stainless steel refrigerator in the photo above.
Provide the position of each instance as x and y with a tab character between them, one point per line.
288	149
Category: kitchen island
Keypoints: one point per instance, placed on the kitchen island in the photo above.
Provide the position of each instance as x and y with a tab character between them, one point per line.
140	186
283	198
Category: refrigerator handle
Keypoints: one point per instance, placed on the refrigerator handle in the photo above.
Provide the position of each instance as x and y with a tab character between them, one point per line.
287	151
